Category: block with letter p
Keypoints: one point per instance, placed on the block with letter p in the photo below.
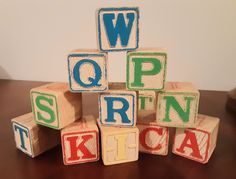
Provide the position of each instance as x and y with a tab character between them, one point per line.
87	71
118	29
55	106
117	106
177	105
146	69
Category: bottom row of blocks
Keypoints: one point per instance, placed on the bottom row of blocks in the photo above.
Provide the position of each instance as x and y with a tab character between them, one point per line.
80	140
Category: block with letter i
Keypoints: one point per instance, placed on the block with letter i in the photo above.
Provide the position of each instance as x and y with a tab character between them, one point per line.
87	71
118	29
153	139
146	69
177	105
117	106
80	141
31	138
197	143
55	106
119	144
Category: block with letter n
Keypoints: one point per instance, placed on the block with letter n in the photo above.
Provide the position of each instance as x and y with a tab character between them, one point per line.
118	29
80	141
146	69
55	106
87	71
117	106
177	105
197	143
31	138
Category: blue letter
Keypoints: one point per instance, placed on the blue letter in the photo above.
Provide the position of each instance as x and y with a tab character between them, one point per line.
121	111
120	28
21	132
94	81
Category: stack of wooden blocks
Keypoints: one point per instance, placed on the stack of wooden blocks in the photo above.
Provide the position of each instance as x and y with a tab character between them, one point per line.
133	117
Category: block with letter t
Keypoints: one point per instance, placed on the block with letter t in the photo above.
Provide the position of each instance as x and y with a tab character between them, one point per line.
80	141
31	138
146	69
177	105
118	29
87	71
147	100
197	143
117	106
55	106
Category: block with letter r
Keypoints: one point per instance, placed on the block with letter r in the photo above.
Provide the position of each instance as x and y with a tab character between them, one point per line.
118	29
117	106
55	106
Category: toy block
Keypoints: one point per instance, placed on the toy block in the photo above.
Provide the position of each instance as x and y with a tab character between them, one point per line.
119	145
118	29
147	100
80	141
31	138
55	106
87	71
197	143
117	106
146	69
153	139
177	105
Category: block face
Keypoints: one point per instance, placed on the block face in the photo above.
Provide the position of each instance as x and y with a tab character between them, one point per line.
117	109
22	138
146	70
147	100
87	71
118	29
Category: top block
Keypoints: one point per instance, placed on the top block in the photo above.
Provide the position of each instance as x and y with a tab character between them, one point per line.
118	29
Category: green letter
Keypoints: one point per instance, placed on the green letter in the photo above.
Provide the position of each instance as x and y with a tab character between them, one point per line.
171	101
139	72
143	101
42	107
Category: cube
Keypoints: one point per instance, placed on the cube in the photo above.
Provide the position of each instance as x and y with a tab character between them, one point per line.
119	145
31	138
117	106
153	139
177	105
197	143
80	141
87	71
147	100
146	69
118	29
55	106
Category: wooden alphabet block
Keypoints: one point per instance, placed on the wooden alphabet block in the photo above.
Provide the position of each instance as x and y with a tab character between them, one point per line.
177	105
153	139
118	29
119	145
146	69
80	141
199	143
55	106
33	139
147	100
87	71
117	106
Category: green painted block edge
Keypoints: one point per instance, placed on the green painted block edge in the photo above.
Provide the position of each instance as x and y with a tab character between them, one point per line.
32	105
145	54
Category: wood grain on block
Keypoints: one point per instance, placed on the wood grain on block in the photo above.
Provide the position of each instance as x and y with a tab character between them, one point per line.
197	143
80	141
55	106
32	138
119	145
153	139
146	69
147	100
117	106
87	71
118	29
177	105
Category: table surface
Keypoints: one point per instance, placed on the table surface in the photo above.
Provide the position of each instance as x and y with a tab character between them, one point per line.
15	101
